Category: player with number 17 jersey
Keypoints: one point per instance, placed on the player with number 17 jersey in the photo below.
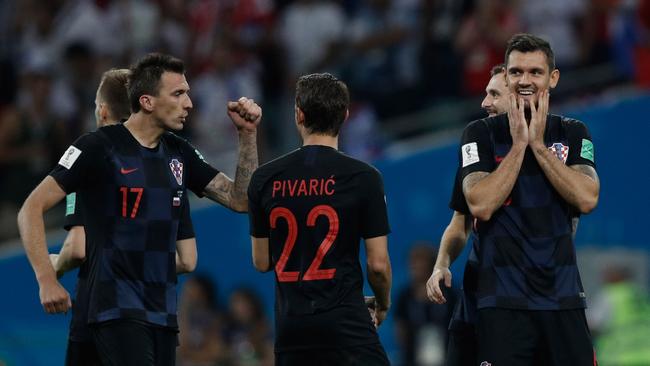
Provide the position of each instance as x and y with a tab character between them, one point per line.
315	204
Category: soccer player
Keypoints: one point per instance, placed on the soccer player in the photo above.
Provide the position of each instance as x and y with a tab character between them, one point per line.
131	180
462	345
111	107
308	211
527	176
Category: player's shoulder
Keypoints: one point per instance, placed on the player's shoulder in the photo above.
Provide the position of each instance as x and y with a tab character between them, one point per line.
567	122
491	123
275	166
356	165
173	139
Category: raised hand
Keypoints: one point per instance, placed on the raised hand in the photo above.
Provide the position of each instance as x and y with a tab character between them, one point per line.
538	119
245	114
517	120
434	292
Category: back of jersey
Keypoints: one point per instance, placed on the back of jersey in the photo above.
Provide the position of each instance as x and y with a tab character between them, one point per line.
314	205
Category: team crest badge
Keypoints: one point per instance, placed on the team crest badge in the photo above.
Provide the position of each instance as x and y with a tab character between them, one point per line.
560	150
177	169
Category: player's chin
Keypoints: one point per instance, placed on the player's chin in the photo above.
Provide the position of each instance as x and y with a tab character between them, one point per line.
176	125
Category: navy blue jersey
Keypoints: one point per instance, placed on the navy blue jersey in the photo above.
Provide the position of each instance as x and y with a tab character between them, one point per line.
315	205
526	251
74	216
132	199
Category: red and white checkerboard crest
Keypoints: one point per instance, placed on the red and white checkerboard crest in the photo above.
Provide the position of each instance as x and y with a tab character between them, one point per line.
177	169
560	150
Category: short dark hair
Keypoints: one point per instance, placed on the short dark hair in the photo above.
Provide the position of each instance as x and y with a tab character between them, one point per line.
324	100
146	73
112	91
524	42
498	69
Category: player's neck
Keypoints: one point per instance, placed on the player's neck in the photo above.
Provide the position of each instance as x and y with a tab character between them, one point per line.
331	141
144	130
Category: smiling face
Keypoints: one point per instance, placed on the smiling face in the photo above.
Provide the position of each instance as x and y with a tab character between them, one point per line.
528	75
495	101
172	104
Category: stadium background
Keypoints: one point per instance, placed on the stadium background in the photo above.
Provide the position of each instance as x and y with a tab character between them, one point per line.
416	69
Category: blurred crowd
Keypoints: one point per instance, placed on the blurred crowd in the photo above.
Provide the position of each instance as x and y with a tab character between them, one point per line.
210	335
397	56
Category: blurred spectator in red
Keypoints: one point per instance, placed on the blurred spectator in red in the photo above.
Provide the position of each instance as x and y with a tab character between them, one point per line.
201	324
249	332
643	48
482	38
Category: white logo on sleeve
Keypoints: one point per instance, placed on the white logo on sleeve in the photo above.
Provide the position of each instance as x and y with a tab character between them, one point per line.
470	154
69	157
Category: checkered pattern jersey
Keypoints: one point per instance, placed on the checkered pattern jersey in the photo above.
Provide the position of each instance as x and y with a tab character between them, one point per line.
132	199
525	251
315	204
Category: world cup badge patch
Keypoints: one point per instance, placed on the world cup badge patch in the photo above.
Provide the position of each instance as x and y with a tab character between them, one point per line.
177	169
560	150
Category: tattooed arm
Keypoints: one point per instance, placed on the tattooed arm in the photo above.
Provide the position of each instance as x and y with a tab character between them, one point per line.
485	192
232	194
246	115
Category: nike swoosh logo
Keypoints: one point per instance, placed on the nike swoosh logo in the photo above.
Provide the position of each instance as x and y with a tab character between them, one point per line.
127	171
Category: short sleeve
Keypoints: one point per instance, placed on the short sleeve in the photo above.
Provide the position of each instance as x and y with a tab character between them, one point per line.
199	172
185	226
458	202
476	150
81	164
374	215
581	147
258	220
73	213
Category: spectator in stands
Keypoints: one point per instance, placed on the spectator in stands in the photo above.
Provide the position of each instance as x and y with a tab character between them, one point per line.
249	333
201	324
421	325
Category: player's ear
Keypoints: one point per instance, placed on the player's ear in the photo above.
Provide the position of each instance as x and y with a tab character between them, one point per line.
347	115
300	116
147	102
103	112
555	77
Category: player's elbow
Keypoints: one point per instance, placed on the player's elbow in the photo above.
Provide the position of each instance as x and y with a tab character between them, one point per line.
379	265
588	204
239	205
483	213
261	264
77	251
186	265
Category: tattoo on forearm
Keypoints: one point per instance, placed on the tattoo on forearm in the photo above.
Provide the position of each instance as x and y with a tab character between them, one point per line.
246	165
470	180
219	189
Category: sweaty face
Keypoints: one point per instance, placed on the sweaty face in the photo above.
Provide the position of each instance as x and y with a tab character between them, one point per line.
496	95
173	103
528	75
